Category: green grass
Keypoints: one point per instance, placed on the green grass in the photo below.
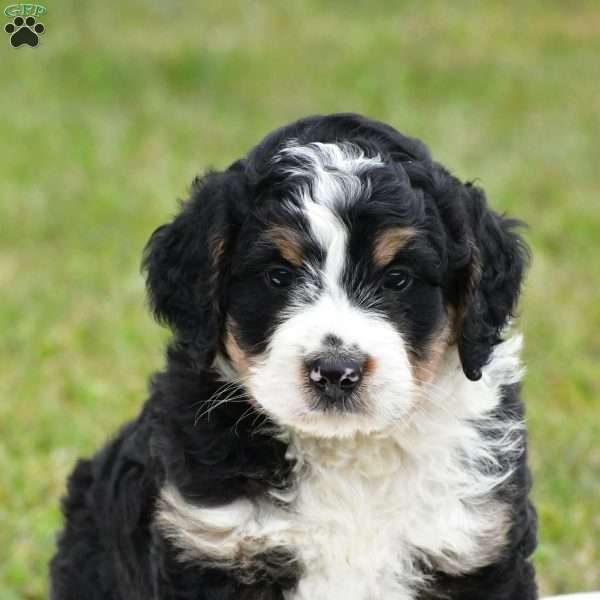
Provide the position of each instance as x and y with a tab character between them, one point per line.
103	126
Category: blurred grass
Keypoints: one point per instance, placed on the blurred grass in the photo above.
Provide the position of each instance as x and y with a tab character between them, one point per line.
105	124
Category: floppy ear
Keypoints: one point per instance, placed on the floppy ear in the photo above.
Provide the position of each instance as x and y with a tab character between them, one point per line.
486	258
494	274
185	262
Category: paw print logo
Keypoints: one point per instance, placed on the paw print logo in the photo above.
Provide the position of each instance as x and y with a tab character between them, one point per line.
24	31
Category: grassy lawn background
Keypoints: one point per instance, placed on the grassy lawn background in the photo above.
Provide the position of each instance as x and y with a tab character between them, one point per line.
104	125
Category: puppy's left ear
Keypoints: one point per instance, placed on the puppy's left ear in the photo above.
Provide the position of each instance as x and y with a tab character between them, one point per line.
492	281
186	262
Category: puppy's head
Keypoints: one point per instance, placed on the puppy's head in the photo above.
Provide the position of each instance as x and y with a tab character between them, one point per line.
330	270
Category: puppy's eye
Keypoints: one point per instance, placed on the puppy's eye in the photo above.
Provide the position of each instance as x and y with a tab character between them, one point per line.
280	277
397	280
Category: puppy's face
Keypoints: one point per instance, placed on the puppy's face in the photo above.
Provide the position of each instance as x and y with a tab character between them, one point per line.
335	312
328	277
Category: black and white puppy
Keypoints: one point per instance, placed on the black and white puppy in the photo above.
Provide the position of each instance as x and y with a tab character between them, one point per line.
339	415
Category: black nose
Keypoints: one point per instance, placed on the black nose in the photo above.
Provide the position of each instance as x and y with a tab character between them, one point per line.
335	377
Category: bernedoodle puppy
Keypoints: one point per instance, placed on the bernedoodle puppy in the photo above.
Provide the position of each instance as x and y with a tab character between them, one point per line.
339	414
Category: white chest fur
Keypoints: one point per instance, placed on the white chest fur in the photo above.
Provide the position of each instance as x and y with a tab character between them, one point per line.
369	517
368	513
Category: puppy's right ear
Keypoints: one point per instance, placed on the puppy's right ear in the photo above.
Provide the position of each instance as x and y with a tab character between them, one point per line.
185	261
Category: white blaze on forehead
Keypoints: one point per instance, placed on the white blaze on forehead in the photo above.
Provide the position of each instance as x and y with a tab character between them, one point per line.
332	235
333	171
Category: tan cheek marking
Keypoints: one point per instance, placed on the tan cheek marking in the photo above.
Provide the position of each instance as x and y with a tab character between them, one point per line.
370	366
389	242
288	243
240	360
425	370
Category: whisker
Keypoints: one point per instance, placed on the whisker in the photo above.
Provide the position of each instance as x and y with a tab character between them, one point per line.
210	409
246	413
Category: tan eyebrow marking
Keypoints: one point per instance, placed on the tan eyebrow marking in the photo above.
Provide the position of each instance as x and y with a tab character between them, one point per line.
389	242
288	242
